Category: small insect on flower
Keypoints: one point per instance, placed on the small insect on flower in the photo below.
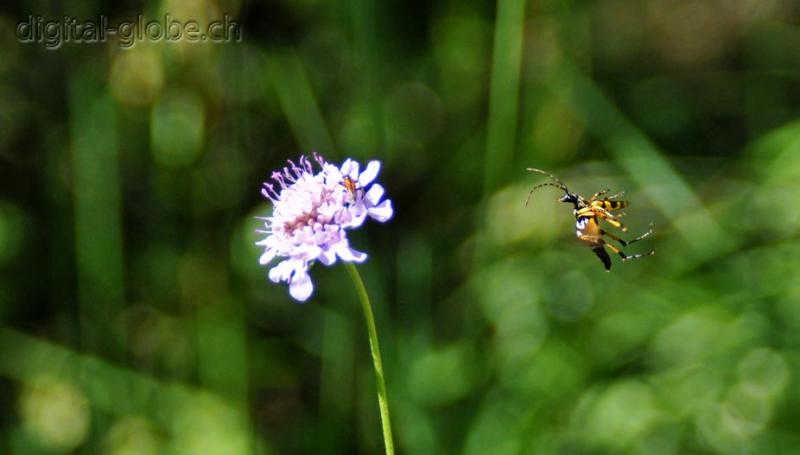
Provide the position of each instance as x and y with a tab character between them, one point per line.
352	189
312	211
587	213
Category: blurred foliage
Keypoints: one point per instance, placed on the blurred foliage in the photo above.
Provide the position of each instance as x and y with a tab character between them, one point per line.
136	320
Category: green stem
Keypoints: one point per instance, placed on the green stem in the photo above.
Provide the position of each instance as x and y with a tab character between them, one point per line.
375	349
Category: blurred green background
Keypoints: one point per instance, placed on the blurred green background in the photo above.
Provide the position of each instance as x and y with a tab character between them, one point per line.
136	320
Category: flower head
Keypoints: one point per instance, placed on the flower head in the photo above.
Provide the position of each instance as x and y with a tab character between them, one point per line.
311	214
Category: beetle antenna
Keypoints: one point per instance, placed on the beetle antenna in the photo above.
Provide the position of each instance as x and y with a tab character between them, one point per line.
530	193
558	184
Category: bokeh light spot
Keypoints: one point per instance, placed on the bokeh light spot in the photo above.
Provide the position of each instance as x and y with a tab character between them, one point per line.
619	415
763	372
133	436
461	48
204	425
177	128
414	114
55	414
137	75
442	376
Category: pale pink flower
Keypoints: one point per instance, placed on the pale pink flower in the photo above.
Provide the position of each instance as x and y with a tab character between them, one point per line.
311	214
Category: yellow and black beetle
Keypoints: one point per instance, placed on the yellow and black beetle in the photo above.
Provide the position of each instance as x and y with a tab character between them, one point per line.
587	213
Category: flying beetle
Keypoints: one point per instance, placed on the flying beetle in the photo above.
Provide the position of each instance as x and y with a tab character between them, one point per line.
588	212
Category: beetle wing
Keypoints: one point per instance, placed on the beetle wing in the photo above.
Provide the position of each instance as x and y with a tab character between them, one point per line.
603	255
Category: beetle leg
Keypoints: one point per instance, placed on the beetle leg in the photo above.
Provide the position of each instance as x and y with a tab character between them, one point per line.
598	194
611	219
629	242
649	231
624	256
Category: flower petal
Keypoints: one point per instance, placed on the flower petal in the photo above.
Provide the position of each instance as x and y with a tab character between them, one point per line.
382	212
369	173
308	252
269	255
350	168
301	287
328	257
332	173
282	271
374	194
350	255
356	217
